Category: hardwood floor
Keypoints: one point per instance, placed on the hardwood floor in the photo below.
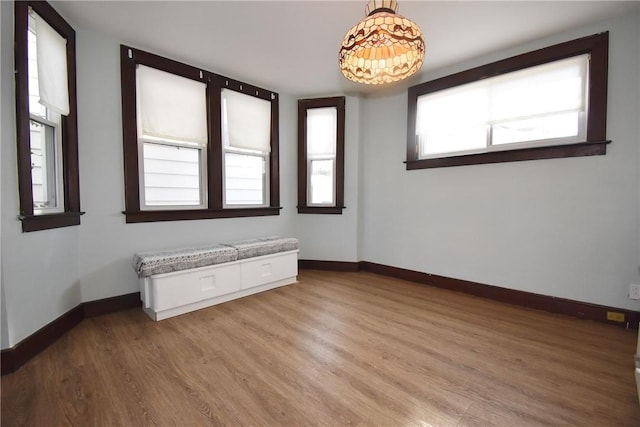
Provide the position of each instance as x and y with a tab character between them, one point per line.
335	349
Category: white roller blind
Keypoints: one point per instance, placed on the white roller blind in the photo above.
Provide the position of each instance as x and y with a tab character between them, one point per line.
556	87
171	107
465	105
322	124
51	50
246	121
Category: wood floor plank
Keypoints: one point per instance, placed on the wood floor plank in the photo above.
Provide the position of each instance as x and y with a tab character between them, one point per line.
335	349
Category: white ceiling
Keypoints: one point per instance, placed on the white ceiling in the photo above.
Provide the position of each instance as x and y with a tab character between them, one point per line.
292	46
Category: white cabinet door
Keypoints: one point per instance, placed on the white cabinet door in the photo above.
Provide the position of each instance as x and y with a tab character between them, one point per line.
270	268
176	290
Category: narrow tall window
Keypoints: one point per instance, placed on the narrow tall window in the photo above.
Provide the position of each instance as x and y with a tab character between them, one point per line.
172	122
48	100
246	138
46	118
321	155
542	104
322	125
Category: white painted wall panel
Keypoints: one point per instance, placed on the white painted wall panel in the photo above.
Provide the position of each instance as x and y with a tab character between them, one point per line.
107	243
563	227
560	227
335	237
39	269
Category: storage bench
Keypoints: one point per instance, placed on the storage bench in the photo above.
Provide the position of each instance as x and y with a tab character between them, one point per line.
177	281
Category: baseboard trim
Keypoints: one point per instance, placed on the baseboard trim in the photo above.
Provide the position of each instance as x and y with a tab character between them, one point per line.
328	265
111	305
25	350
13	358
582	310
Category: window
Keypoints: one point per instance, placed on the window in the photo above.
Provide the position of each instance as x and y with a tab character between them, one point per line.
544	104
46	118
321	155
172	124
197	145
246	130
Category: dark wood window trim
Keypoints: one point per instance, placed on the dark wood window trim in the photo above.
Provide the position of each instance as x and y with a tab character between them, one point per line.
596	142
183	215
303	106
129	58
70	175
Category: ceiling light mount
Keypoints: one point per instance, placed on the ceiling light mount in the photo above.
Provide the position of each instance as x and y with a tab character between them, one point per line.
382	48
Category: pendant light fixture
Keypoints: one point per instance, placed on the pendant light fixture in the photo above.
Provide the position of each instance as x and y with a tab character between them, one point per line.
382	48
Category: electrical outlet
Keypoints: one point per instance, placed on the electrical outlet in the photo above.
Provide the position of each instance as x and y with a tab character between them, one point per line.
634	291
615	316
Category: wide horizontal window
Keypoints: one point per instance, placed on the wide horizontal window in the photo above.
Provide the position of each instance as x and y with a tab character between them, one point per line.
547	103
197	145
543	104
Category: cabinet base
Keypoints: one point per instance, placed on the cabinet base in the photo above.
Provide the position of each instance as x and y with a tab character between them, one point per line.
165	314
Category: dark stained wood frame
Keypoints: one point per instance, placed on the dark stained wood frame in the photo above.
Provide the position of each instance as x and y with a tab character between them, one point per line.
303	106
71	180
596	45
215	83
308	264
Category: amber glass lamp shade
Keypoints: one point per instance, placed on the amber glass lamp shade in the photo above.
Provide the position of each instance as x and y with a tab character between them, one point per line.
382	48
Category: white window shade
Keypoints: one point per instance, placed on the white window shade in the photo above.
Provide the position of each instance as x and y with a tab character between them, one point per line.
51	50
246	121
556	87
465	105
552	88
322	131
171	107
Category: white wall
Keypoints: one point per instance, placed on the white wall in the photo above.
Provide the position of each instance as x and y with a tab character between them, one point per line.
562	227
107	244
638	121
5	106
335	237
52	271
46	273
39	270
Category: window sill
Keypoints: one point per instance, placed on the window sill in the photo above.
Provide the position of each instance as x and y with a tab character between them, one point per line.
329	210
537	153
185	215
47	221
